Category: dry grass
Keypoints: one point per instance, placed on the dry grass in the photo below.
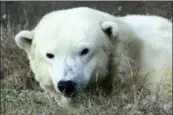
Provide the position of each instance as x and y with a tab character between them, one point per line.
27	102
21	95
15	72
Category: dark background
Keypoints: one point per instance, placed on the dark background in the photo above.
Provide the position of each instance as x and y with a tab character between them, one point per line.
30	12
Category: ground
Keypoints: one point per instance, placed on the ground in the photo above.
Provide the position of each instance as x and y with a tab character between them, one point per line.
21	95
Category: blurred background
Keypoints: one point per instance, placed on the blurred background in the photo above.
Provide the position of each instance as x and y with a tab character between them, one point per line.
30	12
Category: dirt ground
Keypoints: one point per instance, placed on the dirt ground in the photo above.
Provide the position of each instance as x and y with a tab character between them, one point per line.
20	93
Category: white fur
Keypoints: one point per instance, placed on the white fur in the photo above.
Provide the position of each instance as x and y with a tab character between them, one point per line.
139	43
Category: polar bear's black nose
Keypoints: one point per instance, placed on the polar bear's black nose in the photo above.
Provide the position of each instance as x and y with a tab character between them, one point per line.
67	88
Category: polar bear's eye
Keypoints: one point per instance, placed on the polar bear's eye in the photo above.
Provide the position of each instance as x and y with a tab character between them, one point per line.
49	55
84	51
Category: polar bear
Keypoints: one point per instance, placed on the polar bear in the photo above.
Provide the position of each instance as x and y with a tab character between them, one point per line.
72	49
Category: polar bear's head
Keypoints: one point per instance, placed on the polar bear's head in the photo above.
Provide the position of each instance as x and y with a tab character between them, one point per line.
71	47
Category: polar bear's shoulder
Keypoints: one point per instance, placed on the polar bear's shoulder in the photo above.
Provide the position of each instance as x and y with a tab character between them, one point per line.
148	20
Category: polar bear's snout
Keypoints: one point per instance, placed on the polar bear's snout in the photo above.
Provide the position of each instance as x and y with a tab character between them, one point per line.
66	77
67	88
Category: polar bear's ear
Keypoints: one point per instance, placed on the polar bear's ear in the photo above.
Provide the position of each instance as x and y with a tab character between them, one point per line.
110	28
24	40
